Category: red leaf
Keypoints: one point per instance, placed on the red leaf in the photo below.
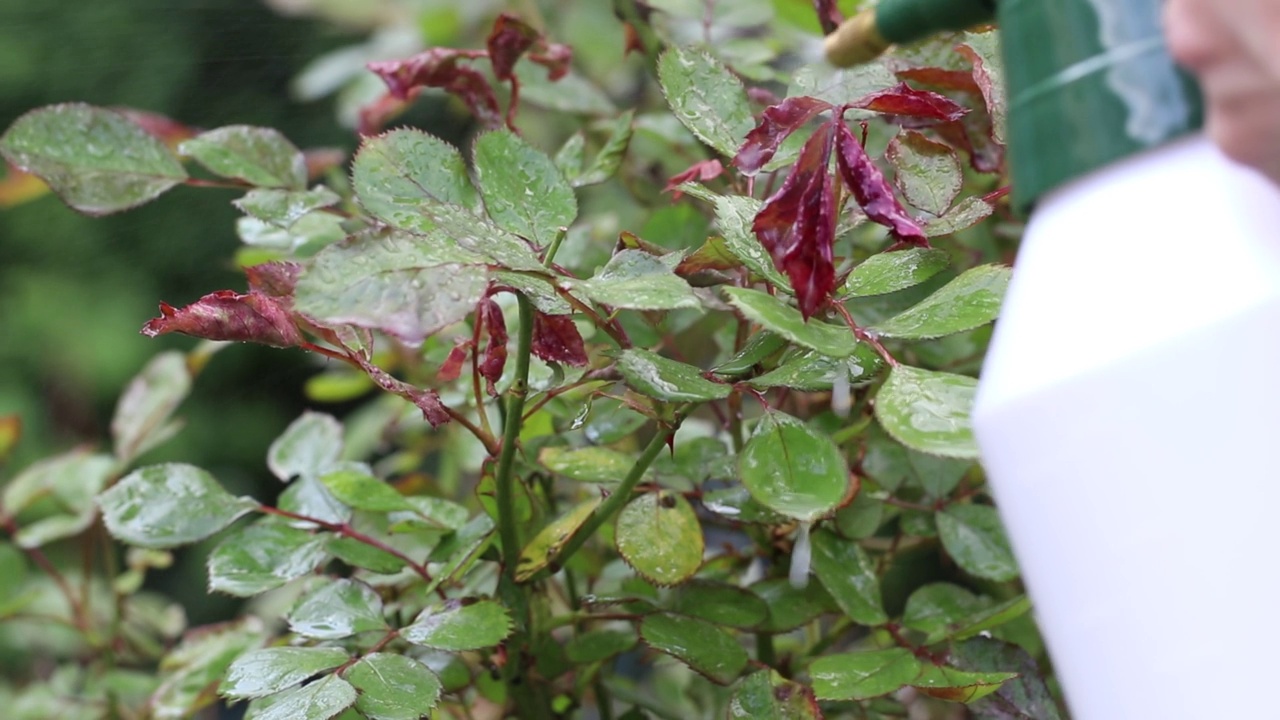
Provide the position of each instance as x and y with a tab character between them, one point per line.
870	189
829	16
941	78
703	170
798	224
276	278
227	315
556	339
511	37
776	123
903	100
556	58
495	352
451	368
440	68
433	411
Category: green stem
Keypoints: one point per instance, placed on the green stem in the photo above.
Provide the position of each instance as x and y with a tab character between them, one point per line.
621	495
764	649
505	479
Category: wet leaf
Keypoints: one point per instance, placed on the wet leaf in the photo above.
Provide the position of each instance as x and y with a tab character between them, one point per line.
790	606
659	536
523	190
863	675
966	214
760	346
588	464
229	316
494	359
734	217
983	51
845	570
776	124
262	672
990	618
255	155
599	645
362	491
442	68
812	371
313	230
460	625
1025	697
928	173
888	272
973	536
871	190
556	339
308	496
98	161
669	380
572	93
282	208
337	609
164	506
393	687
636	280
606	162
360	554
860	518
277	278
311	443
190	671
948	683
933	608
929	411
322	699
263	556
572	156
765	695
837	86
510	38
903	100
736	503
397	173
71	480
546	545
967	302
142	415
706	97
539	291
794	470
710	650
780	318
720	603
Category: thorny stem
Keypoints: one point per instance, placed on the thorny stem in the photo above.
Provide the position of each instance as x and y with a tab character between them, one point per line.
504	480
347	531
37	556
865	336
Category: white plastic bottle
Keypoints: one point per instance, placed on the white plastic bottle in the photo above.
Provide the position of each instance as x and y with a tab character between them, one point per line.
1129	407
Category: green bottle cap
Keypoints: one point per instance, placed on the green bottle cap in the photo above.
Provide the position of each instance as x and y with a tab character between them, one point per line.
1089	82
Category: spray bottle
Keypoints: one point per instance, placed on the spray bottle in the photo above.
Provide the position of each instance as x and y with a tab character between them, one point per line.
1129	409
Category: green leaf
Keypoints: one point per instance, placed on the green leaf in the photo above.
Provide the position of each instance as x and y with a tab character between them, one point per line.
545	546
760	346
706	97
933	608
929	411
316	229
311	443
810	371
364	492
309	497
708	649
1028	694
588	464
790	606
449	224
975	539
969	212
888	272
572	156
320	700
164	506
990	618
358	553
971	300
947	683
393	687
598	645
263	556
429	511
539	290
720	603
737	504
659	536
860	518
258	156
460	625
927	172
785	320
794	470
98	161
141	419
606	163
765	695
405	285
266	671
844	568
282	208
396	174
523	189
653	375
70	480
937	476
339	608
572	93
459	551
863	675
734	216
636	280
190	672
838	86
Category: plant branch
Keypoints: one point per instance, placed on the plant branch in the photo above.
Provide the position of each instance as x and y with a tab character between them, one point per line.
78	614
504	480
865	336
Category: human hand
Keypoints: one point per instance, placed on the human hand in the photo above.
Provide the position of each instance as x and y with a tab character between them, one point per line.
1233	47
